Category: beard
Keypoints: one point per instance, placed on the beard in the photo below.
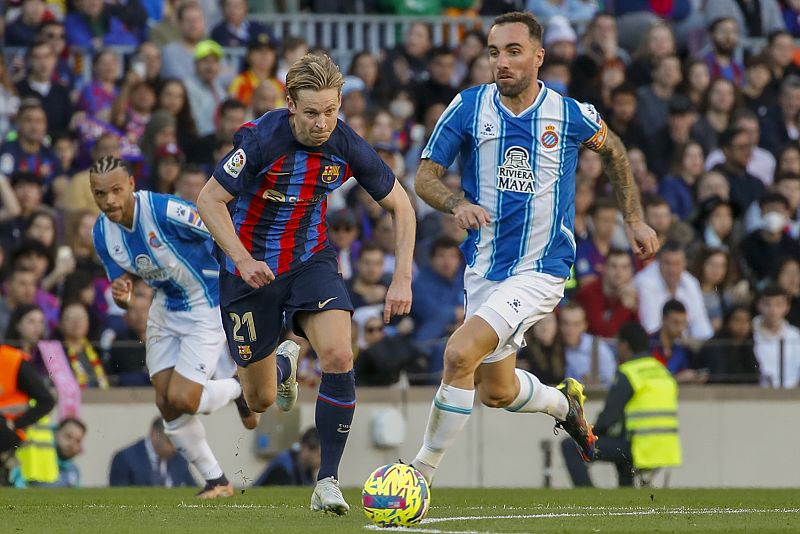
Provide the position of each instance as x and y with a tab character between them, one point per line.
514	89
724	49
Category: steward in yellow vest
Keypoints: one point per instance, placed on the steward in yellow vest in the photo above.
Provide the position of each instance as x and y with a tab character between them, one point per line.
638	428
25	402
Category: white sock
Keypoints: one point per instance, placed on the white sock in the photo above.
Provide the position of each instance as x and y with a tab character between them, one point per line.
536	397
188	435
218	393
449	413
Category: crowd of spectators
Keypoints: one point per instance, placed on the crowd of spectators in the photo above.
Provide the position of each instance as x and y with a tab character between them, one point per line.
712	130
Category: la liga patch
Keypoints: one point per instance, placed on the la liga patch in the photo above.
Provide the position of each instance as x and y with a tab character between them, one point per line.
236	163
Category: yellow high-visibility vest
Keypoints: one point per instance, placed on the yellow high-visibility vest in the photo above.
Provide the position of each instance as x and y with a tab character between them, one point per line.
651	416
38	460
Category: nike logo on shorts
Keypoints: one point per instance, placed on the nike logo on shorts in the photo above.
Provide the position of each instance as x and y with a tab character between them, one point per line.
321	304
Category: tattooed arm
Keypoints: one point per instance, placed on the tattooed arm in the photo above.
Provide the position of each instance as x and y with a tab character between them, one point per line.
618	169
431	189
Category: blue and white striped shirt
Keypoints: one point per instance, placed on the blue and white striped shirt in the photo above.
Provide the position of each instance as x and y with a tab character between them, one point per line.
521	169
168	247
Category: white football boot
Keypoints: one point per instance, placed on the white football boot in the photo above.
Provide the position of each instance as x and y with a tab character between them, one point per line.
287	390
327	497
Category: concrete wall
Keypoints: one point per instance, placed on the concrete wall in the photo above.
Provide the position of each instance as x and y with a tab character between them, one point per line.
732	436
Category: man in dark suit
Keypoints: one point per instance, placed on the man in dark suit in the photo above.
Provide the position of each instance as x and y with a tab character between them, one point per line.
296	466
151	461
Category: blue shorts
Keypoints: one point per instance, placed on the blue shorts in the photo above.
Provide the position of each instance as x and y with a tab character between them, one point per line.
254	318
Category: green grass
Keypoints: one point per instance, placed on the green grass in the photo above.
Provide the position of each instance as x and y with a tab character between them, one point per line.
108	511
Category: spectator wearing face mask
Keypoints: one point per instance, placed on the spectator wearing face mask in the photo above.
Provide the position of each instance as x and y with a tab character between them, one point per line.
764	248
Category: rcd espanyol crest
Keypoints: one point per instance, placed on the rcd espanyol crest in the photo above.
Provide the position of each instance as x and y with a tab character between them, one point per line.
515	174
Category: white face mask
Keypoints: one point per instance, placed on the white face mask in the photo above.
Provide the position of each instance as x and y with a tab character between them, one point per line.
402	109
773	222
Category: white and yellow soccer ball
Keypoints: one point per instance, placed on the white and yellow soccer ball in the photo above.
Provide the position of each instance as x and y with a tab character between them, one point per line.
396	495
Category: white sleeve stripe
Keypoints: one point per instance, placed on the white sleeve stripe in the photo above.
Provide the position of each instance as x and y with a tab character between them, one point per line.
593	125
448	114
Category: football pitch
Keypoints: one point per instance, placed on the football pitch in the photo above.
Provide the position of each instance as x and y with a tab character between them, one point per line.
96	511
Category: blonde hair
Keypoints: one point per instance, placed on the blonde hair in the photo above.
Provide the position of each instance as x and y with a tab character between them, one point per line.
314	72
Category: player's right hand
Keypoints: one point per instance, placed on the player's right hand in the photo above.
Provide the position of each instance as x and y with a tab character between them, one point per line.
469	215
255	273
122	291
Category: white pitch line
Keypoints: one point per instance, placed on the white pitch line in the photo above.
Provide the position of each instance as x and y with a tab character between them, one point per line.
643	512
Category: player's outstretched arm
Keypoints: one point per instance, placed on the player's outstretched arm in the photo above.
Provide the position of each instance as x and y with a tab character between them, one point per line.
398	297
431	189
643	239
212	205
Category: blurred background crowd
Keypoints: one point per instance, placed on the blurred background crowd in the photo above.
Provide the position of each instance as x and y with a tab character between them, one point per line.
705	95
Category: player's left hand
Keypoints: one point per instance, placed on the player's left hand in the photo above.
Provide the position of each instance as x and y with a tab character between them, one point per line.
643	239
398	299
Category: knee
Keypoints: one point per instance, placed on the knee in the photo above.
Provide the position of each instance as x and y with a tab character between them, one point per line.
183	401
457	360
336	359
495	398
259	400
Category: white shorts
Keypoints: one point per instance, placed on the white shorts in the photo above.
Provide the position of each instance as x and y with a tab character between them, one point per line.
192	342
511	306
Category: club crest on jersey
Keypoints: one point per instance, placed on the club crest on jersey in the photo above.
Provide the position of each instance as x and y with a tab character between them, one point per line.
152	238
515	174
235	163
330	174
245	353
549	137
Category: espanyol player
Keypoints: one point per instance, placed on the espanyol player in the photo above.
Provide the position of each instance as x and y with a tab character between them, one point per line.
161	239
519	144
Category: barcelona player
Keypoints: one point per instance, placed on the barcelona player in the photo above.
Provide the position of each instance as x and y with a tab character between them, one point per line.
279	262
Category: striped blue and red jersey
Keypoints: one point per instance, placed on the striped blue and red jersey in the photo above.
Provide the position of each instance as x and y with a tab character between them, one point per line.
44	163
280	187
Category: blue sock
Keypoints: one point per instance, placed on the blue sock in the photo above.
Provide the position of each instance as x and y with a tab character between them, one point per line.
284	367
335	406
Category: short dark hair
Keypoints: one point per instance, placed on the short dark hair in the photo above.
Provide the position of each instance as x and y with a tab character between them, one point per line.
602	203
442	243
758	60
773	197
12	333
743	113
716	22
73	420
726	138
36	44
615	251
672	306
625	88
660	61
774	34
229	104
535	30
440	51
28	104
652	200
772	290
635	336
310	439
369	246
671	246
192	168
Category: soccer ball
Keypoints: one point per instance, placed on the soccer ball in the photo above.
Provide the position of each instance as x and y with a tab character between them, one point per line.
395	495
